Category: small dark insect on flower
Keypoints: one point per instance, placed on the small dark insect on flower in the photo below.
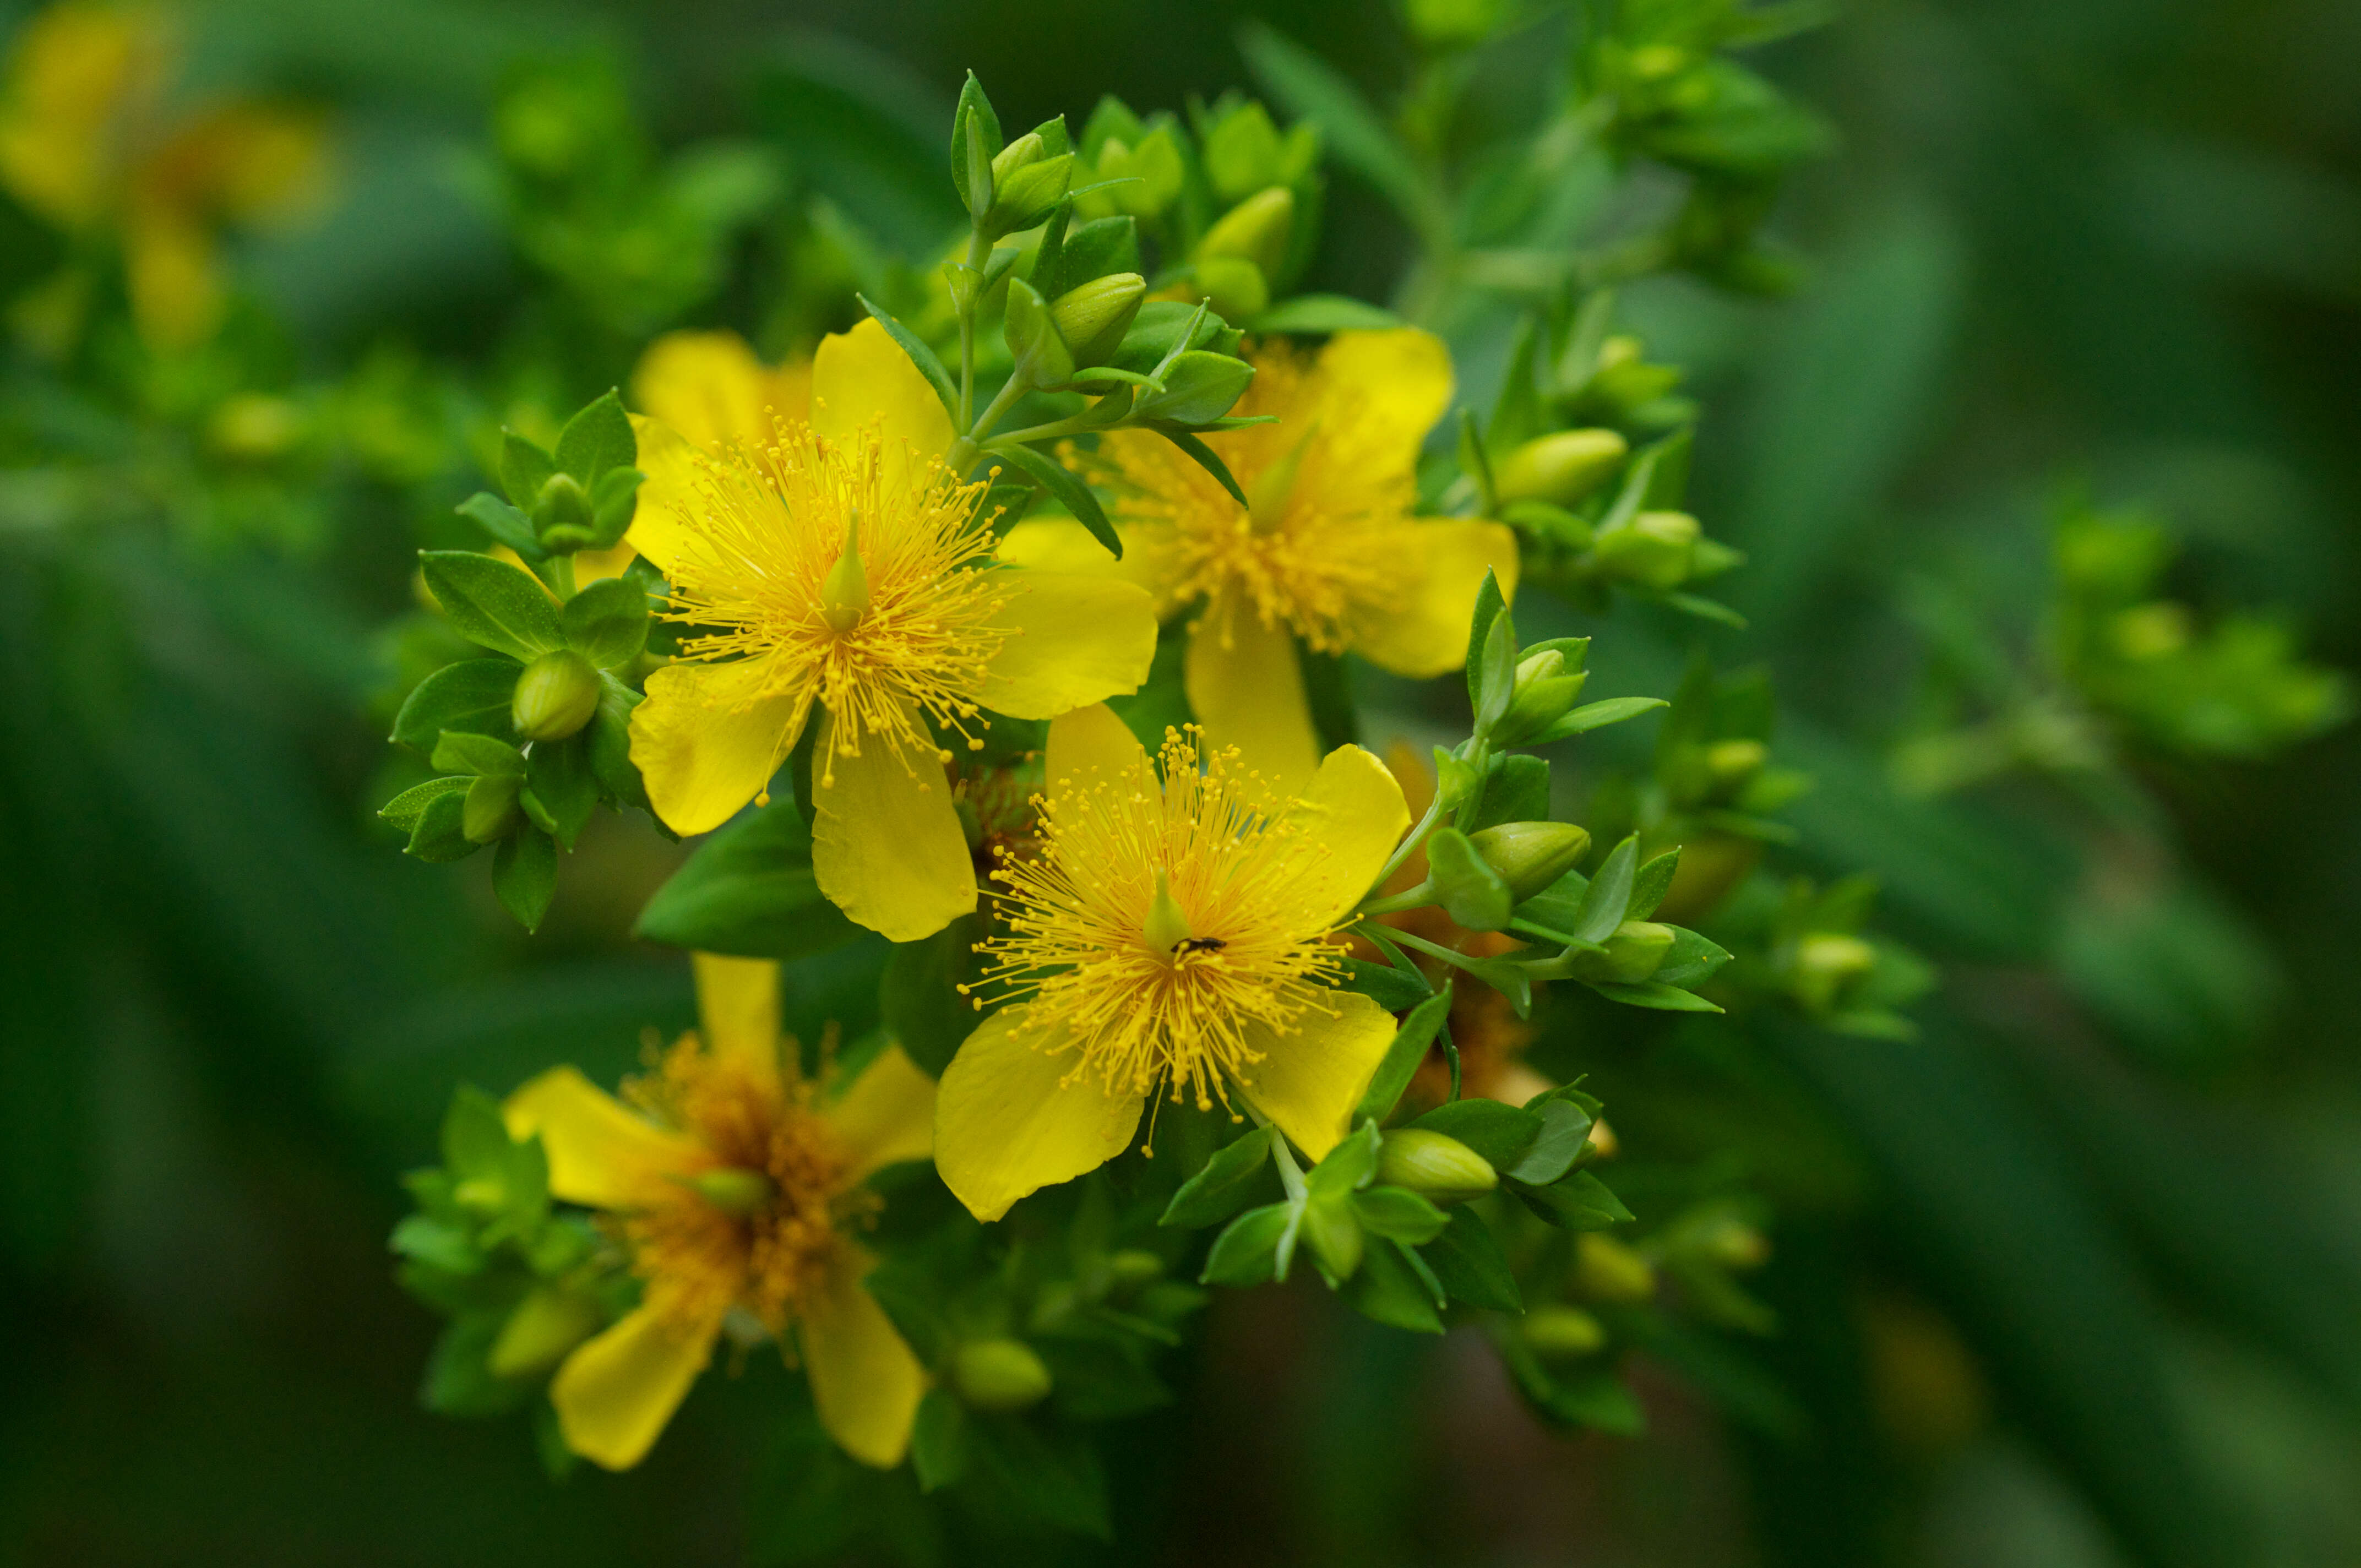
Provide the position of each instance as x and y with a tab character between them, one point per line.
1200	945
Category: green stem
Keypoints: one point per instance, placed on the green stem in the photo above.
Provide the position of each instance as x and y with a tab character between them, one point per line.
561	575
977	255
1451	955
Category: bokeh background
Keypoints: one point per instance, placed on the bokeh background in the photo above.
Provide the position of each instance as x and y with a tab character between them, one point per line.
2069	1282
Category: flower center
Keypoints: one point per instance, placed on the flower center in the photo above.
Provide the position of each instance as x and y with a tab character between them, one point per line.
844	592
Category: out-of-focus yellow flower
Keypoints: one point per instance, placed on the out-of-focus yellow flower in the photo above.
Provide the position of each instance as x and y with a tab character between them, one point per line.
1168	935
1329	552
86	140
708	388
839	565
735	1182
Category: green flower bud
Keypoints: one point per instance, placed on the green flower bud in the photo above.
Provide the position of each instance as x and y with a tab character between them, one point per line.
254	427
1636	949
562	503
490	809
1255	230
1001	1376
1150	172
1236	287
1094	318
545	1325
1730	1242
2151	631
1334	1232
1042	357
1732	762
1824	961
733	1189
1655	549
1434	1165
1530	856
1555	1332
1135	1265
1025	184
555	697
1608	1270
1545	689
1560	467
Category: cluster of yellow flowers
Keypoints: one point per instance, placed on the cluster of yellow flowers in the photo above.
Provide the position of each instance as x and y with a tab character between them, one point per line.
1171	929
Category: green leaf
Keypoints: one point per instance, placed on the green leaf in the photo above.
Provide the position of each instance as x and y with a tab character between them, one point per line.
749	891
1248	1252
594	440
1349	1165
473	694
1566	1127
1398	1213
1396	991
1501	1134
524	469
480	755
1598	715
1656	994
493	604
607	740
1516	789
1691	960
1608	896
1314	314
1071	493
1312	89
506	524
404	809
920	354
939	1450
1649	885
919	997
559	793
614	500
606	622
1204	456
975	109
1467	1259
1579	1203
1488	604
524	874
1393	1288
436	836
1402	1057
1465	885
1059	1484
1222	1187
1199	386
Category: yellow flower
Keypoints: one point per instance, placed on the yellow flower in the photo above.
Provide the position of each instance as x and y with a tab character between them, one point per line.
735	1183
1169	937
840	565
709	389
85	140
1329	552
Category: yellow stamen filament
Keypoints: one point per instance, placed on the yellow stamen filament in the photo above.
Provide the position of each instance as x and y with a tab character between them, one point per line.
1101	955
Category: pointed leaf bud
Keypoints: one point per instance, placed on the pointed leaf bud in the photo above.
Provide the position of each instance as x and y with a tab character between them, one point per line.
1530	856
1165	926
1560	468
733	1189
844	592
561	503
999	1376
1255	230
1092	318
545	1326
490	808
555	697
1234	286
1824	960
1434	1165
1636	949
1556	1332
1027	183
1546	690
1608	1270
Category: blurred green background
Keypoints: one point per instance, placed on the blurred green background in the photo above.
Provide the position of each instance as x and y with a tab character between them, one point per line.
2072	1280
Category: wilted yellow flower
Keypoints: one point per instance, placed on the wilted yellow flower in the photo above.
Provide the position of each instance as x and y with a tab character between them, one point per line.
1329	552
840	565
736	1184
1172	935
86	141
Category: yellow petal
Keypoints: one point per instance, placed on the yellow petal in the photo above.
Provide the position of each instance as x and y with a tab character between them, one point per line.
1093	744
1078	640
888	848
706	743
1058	544
710	386
1247	690
1008	1121
863	380
1354	810
738	1007
1380	393
661	513
1425	633
615	1393
886	1114
864	1380
1311	1080
601	1153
